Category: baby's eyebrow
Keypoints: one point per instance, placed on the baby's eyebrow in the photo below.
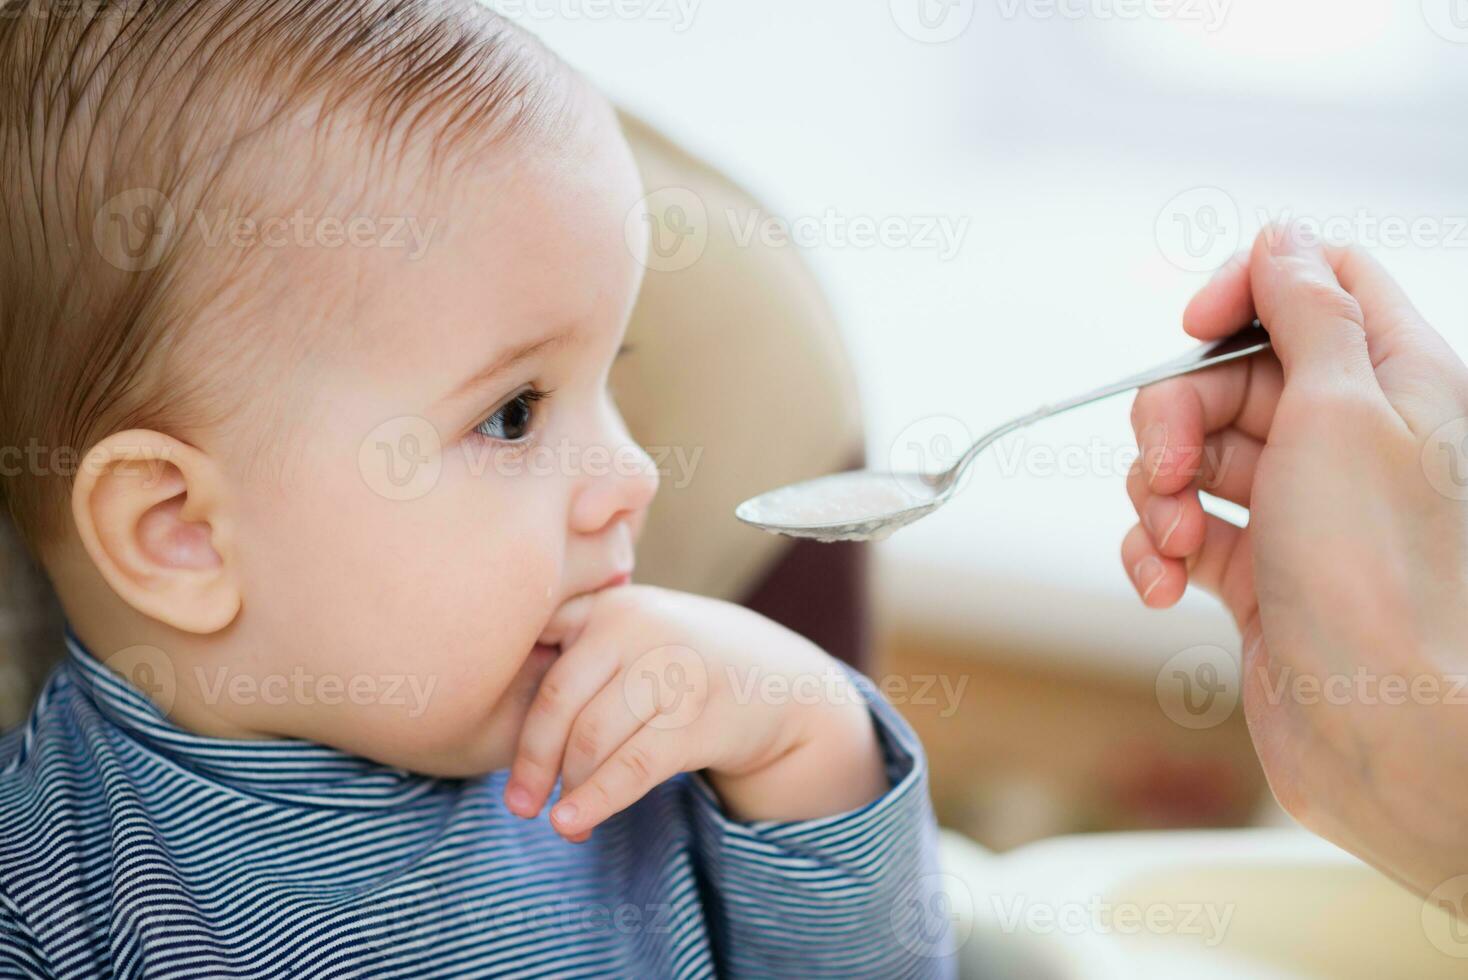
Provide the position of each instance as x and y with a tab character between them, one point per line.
506	359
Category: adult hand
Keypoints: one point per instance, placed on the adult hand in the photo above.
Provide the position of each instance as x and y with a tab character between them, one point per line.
1348	446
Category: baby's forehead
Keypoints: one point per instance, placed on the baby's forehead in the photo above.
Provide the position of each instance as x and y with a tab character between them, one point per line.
506	250
334	192
402	278
332	177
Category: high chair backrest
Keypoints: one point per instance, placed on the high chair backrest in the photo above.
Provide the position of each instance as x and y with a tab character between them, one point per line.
740	378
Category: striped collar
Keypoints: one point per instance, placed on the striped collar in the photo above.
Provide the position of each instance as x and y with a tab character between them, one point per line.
290	770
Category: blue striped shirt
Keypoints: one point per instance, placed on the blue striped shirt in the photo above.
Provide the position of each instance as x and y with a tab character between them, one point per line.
132	848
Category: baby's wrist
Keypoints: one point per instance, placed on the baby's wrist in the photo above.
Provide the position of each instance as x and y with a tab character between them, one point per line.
834	765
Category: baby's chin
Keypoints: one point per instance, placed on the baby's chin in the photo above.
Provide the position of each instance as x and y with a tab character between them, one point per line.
469	747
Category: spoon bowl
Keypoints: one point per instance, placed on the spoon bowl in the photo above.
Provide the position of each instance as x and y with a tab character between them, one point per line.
860	505
863	505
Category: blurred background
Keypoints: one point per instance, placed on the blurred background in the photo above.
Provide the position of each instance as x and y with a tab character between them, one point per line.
1011	201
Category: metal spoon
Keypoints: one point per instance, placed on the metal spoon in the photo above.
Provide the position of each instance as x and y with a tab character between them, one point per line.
865	504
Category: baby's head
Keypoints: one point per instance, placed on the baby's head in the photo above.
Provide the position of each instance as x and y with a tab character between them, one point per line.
307	312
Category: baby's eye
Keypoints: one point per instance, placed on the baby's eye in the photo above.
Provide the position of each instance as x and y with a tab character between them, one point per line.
511	421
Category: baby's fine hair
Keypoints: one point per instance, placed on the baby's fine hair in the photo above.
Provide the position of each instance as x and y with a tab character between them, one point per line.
121	121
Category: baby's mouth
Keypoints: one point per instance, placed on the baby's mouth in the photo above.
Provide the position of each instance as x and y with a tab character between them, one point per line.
569	619
566	623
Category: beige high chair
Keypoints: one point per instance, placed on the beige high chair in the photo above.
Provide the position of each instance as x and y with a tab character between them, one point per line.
738	366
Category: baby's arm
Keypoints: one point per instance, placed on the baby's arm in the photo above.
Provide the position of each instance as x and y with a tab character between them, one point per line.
19	955
812	814
852	895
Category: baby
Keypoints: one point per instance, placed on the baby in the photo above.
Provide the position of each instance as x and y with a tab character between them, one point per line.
334	648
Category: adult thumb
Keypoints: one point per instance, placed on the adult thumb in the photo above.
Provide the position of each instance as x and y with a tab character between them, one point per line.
1318	328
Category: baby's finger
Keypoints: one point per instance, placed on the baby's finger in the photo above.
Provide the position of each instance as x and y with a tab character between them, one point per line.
605	724
572	681
650	757
1159	580
1224	304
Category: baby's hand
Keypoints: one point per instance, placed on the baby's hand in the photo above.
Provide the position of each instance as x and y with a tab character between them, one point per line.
658	682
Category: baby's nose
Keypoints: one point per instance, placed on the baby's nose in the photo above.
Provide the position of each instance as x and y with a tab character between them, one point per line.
622	493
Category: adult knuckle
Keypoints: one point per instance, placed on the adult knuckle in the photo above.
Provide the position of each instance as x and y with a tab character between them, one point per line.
1347	405
1353	259
1328	299
1150	401
1136	483
1216	473
1137	406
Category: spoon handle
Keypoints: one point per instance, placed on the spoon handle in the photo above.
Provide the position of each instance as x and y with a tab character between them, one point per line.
1246	342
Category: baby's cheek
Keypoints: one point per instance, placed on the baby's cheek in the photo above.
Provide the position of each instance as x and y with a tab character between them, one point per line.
472	723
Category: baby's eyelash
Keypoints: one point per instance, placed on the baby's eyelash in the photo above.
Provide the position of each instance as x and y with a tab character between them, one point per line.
517	413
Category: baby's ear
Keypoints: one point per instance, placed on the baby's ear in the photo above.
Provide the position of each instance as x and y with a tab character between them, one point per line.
151	513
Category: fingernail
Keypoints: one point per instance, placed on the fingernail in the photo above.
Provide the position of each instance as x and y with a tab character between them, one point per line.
1154	445
517	798
1161	517
564	813
1148	574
